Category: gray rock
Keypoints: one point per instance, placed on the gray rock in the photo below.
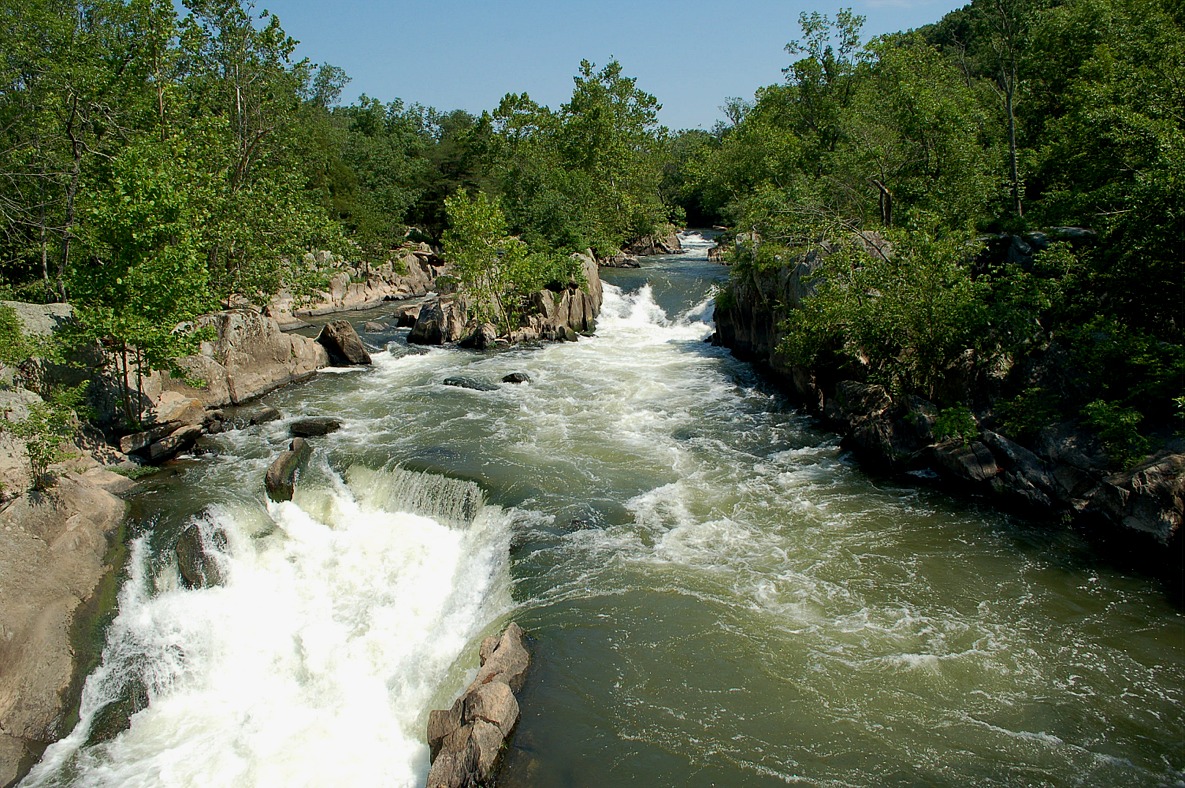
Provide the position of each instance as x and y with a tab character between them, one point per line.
854	402
197	556
312	426
517	377
280	479
343	345
406	316
263	415
970	463
249	357
438	323
116	717
373	327
53	551
467	740
137	442
173	444
482	337
470	383
1149	498
1067	444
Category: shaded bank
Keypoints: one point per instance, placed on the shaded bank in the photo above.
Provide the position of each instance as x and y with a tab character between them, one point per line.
1062	474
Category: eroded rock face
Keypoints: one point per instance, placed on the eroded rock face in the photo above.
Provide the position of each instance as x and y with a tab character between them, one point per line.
438	323
52	552
198	553
411	271
250	356
467	740
343	344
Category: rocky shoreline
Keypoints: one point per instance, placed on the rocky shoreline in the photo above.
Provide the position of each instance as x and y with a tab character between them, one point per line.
1062	475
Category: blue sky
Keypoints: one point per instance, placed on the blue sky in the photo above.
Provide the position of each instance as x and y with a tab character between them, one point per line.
463	54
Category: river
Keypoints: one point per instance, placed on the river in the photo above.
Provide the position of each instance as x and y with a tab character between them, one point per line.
715	594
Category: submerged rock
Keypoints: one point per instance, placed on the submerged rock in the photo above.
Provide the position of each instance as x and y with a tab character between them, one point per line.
467	740
517	377
315	425
280	479
197	559
470	383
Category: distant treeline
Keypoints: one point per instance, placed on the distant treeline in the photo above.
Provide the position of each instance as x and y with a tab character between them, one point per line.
156	164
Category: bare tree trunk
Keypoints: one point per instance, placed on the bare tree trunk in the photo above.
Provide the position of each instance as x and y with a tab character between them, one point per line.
71	197
1013	168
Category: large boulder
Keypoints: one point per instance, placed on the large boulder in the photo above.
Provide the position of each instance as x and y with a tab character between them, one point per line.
1149	499
249	356
439	322
467	740
342	343
313	426
53	555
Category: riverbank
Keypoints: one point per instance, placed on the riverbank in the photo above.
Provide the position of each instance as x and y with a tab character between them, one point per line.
1062	474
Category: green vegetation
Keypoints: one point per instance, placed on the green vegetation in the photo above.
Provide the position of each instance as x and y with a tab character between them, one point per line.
906	167
497	272
159	161
48	422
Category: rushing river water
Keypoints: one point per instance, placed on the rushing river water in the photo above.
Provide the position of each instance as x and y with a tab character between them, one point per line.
716	595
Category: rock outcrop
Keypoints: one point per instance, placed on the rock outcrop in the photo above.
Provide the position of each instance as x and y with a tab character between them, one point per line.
411	271
439	322
468	739
53	555
248	357
560	314
343	344
313	426
664	242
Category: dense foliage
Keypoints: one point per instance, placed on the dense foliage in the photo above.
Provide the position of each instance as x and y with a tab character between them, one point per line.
949	147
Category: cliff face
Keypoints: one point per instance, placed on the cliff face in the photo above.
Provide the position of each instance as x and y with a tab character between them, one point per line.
1063	473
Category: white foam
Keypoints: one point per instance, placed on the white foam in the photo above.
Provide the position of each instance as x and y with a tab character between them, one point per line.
314	665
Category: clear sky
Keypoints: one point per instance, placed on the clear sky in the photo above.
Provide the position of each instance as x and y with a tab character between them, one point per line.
466	54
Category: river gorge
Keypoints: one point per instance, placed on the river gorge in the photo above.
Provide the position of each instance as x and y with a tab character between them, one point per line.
714	592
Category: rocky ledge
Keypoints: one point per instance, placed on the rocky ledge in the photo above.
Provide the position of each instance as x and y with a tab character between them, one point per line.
468	739
54	553
411	271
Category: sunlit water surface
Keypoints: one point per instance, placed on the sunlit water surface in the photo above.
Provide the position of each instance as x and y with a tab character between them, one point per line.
716	595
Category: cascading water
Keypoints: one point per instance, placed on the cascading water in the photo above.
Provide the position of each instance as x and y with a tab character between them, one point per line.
316	662
717	595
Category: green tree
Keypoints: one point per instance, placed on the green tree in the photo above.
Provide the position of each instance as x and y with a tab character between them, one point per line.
498	272
146	280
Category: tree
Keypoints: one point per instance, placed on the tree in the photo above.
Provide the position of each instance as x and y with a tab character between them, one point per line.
146	280
498	272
